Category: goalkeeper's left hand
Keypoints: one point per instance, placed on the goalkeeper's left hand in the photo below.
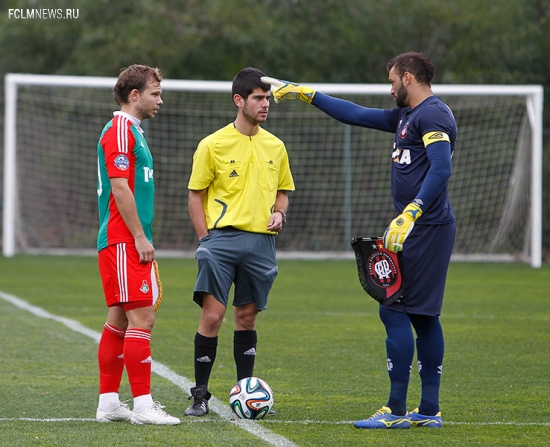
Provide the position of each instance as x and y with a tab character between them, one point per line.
400	227
288	90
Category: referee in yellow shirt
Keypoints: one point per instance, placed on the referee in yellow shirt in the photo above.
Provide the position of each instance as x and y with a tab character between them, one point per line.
238	203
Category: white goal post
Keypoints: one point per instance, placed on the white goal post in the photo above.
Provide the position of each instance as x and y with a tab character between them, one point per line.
52	124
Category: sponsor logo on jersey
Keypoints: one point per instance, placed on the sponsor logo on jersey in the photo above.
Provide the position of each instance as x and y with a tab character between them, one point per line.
401	156
395	155
122	162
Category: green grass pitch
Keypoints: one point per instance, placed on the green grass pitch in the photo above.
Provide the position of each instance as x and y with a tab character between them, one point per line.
321	348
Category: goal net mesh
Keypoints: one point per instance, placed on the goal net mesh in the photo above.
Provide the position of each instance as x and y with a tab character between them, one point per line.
342	173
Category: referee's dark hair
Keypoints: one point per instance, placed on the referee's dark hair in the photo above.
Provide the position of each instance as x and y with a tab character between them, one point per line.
246	81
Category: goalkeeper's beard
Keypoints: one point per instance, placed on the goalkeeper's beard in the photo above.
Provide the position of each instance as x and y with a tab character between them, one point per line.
400	96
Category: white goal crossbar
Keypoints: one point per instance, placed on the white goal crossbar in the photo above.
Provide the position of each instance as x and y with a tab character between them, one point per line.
533	95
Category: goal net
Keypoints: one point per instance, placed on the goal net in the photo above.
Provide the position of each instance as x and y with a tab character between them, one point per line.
341	172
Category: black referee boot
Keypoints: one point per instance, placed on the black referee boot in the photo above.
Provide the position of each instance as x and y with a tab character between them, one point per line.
200	397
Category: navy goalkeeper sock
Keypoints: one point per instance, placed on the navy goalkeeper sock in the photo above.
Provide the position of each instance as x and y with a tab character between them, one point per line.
430	350
400	352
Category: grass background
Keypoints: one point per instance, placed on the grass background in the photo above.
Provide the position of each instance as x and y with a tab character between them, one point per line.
321	348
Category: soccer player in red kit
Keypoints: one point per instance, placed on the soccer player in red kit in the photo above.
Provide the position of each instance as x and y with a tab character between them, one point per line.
125	250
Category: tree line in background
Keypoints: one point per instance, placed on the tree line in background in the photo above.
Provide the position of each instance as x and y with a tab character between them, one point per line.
471	41
346	41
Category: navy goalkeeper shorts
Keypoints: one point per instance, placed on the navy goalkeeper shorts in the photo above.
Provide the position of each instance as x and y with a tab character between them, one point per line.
426	257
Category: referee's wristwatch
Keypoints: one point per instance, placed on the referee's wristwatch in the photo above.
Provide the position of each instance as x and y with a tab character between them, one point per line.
282	214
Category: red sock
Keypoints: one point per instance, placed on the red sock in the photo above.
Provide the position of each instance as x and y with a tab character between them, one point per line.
137	358
110	359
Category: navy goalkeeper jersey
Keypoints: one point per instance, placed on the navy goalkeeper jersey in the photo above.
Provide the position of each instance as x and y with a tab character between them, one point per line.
413	130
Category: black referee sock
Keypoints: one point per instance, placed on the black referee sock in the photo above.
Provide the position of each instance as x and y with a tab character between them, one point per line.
205	355
244	351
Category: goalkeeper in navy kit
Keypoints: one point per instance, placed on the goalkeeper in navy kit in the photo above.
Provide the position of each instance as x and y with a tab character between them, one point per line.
424	229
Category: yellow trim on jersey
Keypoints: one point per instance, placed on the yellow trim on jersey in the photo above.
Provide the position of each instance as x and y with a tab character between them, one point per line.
242	175
435	137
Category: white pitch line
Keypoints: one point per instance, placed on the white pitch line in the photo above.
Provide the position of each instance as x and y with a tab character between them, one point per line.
48	419
184	384
271	421
158	368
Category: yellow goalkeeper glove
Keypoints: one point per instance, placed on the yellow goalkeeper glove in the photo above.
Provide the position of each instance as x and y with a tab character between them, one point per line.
400	227
288	90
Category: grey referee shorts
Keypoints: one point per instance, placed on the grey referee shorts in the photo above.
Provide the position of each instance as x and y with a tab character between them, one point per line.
229	256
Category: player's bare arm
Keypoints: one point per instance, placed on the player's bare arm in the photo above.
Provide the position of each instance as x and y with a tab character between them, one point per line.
196	212
277	219
127	208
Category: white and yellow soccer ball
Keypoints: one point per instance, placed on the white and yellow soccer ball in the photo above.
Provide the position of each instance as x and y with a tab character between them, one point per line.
251	398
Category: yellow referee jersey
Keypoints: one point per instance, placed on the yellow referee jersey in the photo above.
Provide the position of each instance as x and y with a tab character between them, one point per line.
243	175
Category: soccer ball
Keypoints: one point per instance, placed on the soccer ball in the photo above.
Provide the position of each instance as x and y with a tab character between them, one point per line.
251	398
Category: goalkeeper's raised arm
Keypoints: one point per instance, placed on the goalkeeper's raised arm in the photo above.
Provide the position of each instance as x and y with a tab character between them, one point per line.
344	111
